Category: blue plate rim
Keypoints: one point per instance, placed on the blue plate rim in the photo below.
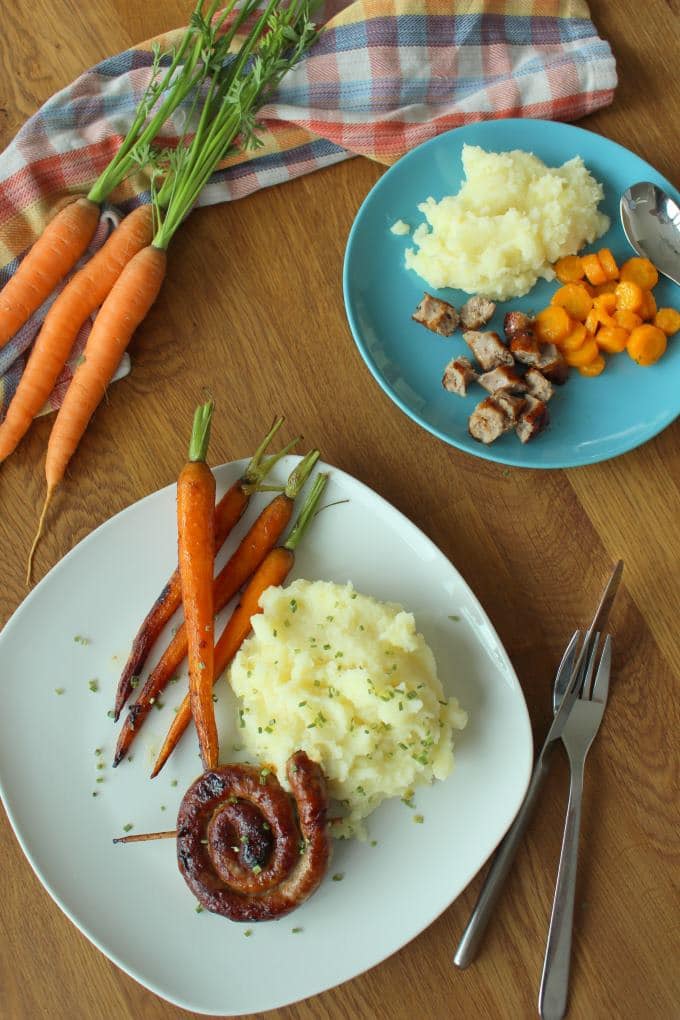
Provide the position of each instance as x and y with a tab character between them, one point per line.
487	452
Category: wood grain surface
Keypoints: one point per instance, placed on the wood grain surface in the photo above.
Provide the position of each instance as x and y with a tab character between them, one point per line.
535	547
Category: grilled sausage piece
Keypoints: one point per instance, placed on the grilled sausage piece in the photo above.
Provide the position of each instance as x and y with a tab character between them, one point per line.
503	378
538	385
488	349
511	403
488	421
526	348
239	847
457	374
476	312
532	420
516	322
552	364
439	316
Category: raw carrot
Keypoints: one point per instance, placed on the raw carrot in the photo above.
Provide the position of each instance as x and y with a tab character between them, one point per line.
196	557
228	511
81	296
272	571
262	536
62	242
128	302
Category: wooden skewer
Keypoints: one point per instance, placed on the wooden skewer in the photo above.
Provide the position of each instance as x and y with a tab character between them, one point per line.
142	836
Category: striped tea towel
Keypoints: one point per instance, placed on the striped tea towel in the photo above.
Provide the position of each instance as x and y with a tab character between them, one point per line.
383	76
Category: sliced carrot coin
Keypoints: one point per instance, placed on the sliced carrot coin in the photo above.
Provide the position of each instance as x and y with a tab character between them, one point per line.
668	320
592	267
608	263
574	299
640	271
612	339
646	344
553	324
594	367
629	296
569	269
586	353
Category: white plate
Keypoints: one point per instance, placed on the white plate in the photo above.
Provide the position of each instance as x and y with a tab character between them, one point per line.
131	901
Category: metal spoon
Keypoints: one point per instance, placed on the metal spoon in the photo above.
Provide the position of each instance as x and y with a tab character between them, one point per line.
651	222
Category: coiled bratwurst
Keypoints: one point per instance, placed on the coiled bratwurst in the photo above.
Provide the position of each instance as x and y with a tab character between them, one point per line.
246	848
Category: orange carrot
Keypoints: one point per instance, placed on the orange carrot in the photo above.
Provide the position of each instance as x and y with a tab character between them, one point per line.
128	302
272	571
227	513
81	296
196	556
62	242
262	536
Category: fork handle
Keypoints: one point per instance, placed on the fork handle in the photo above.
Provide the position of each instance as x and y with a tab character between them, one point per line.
552	998
502	862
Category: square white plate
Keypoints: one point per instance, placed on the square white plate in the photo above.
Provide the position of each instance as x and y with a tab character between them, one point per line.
131	901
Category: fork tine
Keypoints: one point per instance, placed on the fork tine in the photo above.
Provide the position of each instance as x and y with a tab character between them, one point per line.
601	686
586	687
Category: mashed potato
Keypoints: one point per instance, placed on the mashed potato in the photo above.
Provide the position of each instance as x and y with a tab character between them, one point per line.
512	218
350	681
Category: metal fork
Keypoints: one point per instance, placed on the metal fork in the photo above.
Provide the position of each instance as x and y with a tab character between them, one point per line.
579	733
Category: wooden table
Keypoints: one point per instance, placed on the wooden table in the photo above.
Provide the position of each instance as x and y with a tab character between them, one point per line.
535	546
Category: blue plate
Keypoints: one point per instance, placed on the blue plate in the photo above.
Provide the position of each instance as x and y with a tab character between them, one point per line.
591	419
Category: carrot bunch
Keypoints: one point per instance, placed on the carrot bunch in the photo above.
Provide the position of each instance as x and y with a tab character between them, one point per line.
262	536
124	279
273	570
603	309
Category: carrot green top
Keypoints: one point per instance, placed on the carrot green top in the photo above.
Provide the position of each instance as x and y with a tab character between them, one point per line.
200	433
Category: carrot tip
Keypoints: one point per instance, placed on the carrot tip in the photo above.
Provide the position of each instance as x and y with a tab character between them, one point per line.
38	535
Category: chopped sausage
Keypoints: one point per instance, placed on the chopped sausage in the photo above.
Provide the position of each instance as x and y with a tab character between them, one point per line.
526	348
488	421
516	322
552	364
532	420
538	385
488	348
504	377
439	316
511	403
476	312
457	374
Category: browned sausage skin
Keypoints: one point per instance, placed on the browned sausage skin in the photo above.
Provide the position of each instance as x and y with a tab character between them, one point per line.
240	848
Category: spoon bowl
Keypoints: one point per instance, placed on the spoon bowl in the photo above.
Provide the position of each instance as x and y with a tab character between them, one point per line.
651	222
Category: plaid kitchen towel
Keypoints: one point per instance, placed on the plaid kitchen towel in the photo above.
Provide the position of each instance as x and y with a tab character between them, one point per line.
382	77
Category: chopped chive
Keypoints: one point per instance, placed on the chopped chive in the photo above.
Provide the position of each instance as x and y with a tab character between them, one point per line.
127	827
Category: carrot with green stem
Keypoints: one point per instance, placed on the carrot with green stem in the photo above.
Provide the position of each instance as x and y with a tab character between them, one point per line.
276	42
196	557
228	512
67	235
273	570
262	536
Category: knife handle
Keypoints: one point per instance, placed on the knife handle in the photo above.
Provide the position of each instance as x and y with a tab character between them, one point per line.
502	862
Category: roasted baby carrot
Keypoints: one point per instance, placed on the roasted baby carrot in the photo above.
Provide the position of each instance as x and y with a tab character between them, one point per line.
262	536
228	512
272	571
196	557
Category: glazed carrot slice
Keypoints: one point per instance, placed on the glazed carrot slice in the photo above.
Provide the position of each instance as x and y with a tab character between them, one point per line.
646	344
553	324
569	269
574	299
640	271
592	267
668	320
593	368
608	263
272	571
